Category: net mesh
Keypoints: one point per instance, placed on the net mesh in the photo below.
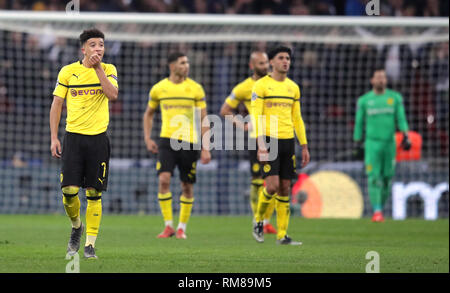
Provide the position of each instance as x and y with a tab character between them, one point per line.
331	63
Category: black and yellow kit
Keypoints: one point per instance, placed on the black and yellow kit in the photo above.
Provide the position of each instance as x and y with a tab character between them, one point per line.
179	105
86	147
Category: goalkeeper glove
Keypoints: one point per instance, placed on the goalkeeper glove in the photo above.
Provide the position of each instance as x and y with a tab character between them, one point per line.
405	144
358	151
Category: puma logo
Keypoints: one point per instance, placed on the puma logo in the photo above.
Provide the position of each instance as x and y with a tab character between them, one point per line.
75	75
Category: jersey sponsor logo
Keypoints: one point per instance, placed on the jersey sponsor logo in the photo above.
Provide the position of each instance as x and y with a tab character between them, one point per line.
170	107
86	92
277	104
380	111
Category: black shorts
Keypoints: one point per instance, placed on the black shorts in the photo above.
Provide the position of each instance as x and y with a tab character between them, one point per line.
85	160
255	167
186	160
284	164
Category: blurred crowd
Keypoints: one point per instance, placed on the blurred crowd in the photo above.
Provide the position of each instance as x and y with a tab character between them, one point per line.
428	8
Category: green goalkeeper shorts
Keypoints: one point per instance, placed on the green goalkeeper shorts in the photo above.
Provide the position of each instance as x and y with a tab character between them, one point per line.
379	157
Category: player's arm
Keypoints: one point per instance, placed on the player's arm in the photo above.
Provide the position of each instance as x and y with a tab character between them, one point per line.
358	152
55	117
258	121
205	156
59	94
228	111
200	104
402	123
109	89
147	120
147	125
359	121
300	131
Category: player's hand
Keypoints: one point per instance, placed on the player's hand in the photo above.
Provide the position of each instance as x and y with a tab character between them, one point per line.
151	146
406	143
55	148
263	155
358	151
305	156
205	157
95	60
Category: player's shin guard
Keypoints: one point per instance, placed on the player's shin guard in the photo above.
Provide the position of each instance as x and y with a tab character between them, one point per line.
263	203
185	210
93	215
283	213
375	189
71	203
255	187
270	208
165	204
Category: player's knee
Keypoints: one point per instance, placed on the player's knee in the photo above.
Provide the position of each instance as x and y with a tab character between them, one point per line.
93	194
164	182
70	191
272	188
187	189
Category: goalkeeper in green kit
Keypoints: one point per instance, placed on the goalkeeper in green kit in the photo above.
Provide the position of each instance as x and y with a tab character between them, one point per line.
379	112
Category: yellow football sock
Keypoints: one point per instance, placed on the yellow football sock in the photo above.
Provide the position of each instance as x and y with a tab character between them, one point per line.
185	208
93	215
255	187
270	208
71	203
165	204
263	203
283	213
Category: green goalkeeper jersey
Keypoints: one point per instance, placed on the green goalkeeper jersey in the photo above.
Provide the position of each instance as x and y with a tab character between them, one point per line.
380	115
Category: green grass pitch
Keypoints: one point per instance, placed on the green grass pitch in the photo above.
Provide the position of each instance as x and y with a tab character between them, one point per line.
223	244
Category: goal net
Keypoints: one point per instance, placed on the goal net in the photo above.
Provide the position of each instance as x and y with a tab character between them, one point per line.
333	60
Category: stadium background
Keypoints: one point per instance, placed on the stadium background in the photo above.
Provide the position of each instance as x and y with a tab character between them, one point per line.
331	77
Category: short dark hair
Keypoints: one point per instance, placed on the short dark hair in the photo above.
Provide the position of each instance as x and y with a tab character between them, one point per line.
174	56
90	33
378	68
274	51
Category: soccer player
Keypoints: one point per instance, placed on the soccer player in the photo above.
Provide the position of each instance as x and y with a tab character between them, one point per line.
276	97
87	86
378	114
242	93
180	99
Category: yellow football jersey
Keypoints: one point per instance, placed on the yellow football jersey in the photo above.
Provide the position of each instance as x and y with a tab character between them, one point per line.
87	105
178	103
278	101
242	93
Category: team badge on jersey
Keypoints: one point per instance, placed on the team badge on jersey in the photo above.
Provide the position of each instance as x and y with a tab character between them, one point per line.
390	101
254	96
